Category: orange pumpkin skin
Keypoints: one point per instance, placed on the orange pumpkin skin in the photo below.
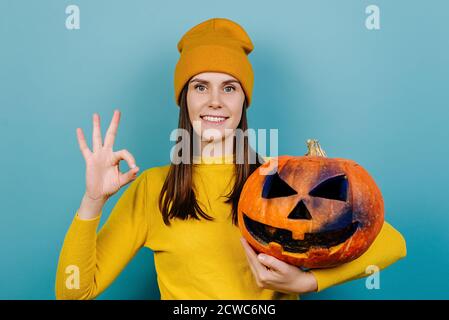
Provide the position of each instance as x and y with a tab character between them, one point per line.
327	231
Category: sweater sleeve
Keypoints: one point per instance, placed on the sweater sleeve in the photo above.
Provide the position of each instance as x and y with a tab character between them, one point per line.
90	262
388	247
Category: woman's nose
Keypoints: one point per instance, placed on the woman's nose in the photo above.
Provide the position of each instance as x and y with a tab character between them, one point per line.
215	101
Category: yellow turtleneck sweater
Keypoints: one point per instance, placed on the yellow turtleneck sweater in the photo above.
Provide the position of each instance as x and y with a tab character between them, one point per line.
194	259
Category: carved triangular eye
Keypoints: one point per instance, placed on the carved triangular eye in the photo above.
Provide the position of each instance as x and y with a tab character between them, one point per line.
275	187
300	212
335	188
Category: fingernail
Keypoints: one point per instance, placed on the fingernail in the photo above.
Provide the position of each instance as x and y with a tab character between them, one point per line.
261	257
132	166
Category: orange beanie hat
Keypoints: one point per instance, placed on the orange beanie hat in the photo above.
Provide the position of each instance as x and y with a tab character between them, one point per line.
215	45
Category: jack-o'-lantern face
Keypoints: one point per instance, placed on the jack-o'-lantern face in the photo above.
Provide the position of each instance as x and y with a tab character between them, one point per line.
313	212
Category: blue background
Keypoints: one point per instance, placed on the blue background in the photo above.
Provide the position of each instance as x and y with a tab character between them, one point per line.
379	97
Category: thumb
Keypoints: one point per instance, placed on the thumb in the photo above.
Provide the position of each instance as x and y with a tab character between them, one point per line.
127	177
271	262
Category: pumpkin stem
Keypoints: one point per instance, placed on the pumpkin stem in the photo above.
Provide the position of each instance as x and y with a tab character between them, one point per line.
314	148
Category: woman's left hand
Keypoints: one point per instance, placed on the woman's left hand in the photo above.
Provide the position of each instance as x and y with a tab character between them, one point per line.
274	274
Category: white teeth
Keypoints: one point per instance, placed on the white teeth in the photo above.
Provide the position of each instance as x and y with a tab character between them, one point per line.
214	119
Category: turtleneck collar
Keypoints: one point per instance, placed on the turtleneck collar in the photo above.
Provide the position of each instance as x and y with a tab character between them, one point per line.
227	160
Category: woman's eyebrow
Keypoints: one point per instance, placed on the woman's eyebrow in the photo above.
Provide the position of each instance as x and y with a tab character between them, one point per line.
230	81
205	81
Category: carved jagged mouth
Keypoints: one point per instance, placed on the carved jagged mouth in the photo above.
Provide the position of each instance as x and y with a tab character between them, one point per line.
326	239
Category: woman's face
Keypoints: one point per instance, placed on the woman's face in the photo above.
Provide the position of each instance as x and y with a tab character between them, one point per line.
215	102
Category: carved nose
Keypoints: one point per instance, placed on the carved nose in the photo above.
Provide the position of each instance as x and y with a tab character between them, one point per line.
300	212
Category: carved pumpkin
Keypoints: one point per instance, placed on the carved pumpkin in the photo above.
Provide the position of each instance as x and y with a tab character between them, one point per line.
313	211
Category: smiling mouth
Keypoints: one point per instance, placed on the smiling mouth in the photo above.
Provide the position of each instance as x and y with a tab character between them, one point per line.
265	234
214	119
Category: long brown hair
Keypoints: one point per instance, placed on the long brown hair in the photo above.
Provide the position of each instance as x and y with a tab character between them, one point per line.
177	198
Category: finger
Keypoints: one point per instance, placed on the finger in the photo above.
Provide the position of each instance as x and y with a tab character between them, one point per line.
252	256
82	143
96	133
127	177
112	130
272	262
253	269
125	155
261	273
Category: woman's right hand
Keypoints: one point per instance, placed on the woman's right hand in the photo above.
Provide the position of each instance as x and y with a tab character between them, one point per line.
103	176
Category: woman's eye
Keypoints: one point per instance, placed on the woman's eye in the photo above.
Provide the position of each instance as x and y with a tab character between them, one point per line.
200	86
229	87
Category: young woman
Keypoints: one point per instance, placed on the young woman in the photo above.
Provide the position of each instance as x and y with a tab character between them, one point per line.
186	212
